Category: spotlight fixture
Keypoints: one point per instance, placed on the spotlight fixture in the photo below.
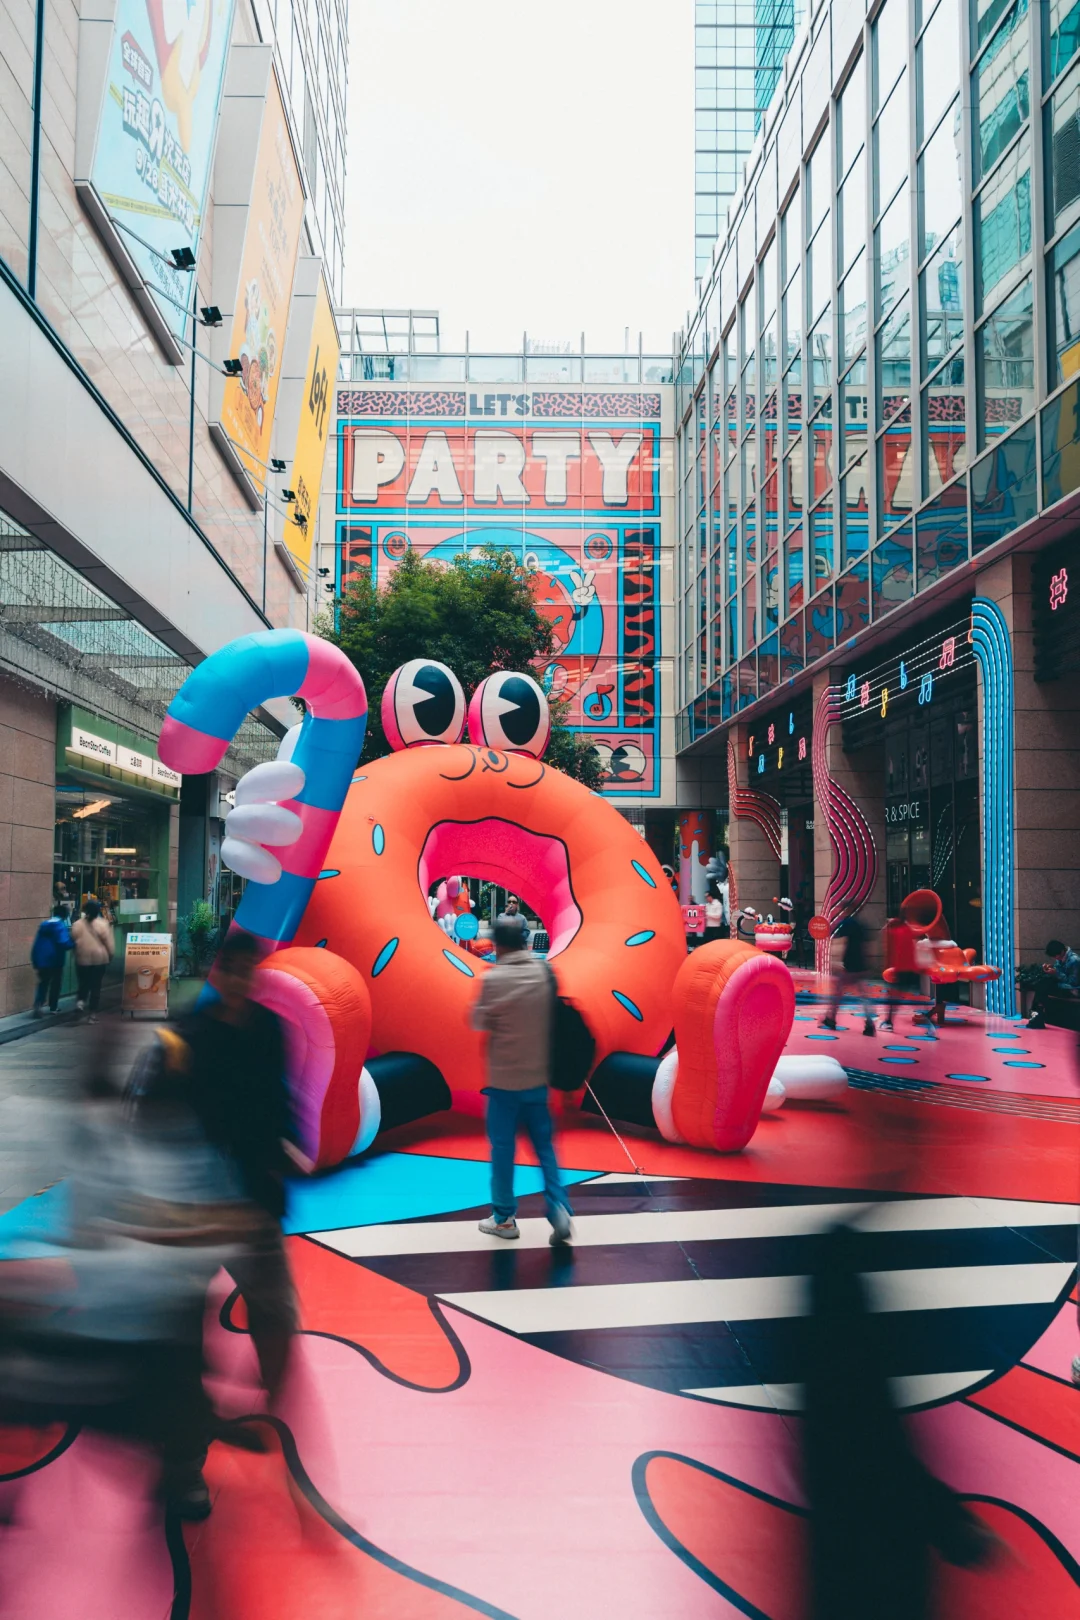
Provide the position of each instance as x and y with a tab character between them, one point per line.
324	572
232	368
288	494
276	463
301	522
211	315
183	258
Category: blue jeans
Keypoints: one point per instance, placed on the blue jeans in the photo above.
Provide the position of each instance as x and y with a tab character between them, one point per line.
506	1112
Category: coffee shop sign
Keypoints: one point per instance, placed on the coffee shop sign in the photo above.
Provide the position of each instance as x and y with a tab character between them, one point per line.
91	746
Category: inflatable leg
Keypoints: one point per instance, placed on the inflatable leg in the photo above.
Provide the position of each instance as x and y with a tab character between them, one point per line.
326	1010
734	1007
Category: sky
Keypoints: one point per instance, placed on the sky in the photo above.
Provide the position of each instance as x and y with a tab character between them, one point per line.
523	165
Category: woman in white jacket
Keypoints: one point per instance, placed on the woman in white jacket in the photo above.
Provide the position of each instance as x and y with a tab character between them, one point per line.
93	940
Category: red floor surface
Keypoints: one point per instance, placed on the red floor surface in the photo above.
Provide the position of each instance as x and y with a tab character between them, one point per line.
451	1444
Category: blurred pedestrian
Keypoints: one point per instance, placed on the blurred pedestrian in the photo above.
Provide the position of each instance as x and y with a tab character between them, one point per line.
514	914
849	978
48	955
93	941
876	1513
902	959
514	1008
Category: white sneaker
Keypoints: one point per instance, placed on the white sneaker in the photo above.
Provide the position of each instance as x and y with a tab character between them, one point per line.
504	1229
562	1229
80	1006
1076	1371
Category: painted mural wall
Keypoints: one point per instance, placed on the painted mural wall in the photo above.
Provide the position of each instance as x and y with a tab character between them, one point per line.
574	482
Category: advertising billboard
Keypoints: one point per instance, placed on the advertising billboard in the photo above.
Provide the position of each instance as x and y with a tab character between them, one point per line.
565	480
316	415
264	291
155	138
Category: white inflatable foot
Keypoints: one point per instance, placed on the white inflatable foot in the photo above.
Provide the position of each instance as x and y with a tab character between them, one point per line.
809	1079
370	1113
774	1097
663	1089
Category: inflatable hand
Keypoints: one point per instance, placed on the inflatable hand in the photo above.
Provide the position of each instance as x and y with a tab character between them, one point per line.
259	818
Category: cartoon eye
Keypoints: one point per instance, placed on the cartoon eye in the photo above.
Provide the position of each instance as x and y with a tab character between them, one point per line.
510	711
423	703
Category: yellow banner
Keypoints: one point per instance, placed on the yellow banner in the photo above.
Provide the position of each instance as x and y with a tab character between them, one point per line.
314	430
261	311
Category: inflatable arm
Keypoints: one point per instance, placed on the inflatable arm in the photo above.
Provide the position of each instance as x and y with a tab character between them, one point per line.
322	999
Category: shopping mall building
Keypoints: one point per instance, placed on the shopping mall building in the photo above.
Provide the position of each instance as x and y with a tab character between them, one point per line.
878	466
170	251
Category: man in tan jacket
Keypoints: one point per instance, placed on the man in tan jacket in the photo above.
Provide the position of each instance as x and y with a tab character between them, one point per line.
514	1009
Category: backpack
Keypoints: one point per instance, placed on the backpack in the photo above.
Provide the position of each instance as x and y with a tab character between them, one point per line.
572	1048
51	941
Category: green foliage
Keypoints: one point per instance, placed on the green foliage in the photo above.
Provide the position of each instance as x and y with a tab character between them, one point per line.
1030	976
199	938
476	615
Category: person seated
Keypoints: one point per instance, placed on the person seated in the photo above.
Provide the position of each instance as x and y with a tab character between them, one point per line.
1061	982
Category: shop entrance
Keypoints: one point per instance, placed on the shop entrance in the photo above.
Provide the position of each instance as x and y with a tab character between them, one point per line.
115	850
932	812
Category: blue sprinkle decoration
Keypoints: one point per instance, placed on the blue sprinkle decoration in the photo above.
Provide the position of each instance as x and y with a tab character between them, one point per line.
1001	1035
897	1060
328	871
1014	1051
983	1077
378	839
901	1049
1023	1064
821	1037
319	944
641	939
624	1001
384	956
462	967
641	872
359	779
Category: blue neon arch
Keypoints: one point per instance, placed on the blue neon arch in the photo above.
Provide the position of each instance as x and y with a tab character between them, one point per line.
992	646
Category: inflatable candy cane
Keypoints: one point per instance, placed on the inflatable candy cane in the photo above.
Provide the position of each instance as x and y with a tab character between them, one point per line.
278	836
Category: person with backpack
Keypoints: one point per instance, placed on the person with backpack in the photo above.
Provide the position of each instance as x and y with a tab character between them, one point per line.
517	1008
47	955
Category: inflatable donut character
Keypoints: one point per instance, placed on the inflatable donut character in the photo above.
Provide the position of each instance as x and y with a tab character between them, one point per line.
347	928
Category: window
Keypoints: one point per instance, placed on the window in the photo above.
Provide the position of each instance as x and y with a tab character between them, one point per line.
892	252
853	311
891	135
793	324
1006	353
1000	105
853	418
851	119
944	425
1064	270
988	14
890	48
852	216
820	352
1063	156
940	190
1064	35
1003	223
938	55
818	189
942	286
894	361
819	272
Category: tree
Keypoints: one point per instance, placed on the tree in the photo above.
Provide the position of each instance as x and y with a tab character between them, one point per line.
476	615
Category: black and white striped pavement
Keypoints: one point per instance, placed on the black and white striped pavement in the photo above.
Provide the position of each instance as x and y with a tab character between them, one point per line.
699	1287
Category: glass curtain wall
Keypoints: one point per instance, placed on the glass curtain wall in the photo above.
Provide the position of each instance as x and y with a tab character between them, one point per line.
899	298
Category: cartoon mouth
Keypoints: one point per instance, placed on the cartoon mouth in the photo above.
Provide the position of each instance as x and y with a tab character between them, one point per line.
534	865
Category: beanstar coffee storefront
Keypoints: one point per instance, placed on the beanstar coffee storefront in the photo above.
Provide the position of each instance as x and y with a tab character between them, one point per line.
116	826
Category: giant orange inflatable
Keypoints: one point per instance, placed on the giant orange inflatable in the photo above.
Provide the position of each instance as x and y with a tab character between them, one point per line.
377	997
